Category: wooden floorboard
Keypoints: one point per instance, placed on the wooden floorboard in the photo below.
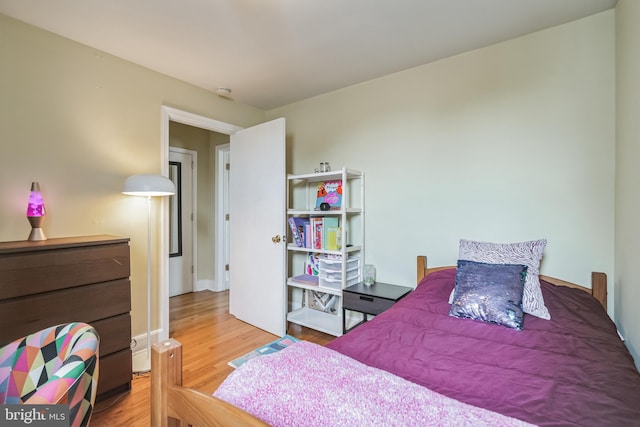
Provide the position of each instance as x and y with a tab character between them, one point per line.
210	338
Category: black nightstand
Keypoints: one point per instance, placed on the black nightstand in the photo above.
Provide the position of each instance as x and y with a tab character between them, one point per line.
370	300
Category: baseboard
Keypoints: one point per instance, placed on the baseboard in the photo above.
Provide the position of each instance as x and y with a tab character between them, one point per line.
219	286
209	285
205	285
139	350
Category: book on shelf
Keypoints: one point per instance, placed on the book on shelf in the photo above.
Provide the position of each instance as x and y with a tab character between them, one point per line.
297	238
307	279
297	225
307	235
312	264
329	192
329	227
334	238
316	233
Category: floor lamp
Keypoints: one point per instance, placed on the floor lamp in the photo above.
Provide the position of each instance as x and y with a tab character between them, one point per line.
149	186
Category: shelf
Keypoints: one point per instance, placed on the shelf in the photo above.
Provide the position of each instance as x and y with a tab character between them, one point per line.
302	202
322	176
301	285
323	213
349	249
318	320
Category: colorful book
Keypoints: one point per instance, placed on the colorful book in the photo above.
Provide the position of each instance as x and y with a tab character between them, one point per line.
329	192
316	233
332	238
329	226
297	238
307	235
312	265
297	225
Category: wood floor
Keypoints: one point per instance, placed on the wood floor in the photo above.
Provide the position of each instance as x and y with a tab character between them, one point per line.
210	338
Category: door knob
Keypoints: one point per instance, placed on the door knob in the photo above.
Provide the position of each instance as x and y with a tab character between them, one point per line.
276	239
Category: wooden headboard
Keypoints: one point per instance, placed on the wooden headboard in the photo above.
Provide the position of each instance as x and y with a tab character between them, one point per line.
598	280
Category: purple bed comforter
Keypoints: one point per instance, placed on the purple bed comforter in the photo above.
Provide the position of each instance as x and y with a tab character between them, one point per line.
572	370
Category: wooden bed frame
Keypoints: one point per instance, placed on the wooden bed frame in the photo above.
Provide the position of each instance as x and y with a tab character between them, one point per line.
175	405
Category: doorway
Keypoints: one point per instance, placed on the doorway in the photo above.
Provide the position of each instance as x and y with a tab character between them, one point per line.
173	115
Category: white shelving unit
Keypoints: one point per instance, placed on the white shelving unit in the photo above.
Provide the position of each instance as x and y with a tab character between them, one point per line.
301	202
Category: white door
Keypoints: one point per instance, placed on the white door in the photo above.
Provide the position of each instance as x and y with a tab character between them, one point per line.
181	265
227	233
257	226
222	217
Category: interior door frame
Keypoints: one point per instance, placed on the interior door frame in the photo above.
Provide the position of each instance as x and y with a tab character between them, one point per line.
170	114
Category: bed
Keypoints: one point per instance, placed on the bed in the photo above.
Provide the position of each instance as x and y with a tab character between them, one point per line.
571	370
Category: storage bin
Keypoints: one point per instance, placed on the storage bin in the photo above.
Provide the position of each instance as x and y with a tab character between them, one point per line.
329	283
330	272
337	275
333	264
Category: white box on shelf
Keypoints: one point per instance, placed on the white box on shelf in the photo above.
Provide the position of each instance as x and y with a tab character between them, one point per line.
337	275
330	272
335	264
329	283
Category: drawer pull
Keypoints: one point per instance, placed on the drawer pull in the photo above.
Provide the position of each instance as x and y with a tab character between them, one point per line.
370	299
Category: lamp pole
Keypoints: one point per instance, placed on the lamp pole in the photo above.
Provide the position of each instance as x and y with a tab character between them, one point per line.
149	282
148	186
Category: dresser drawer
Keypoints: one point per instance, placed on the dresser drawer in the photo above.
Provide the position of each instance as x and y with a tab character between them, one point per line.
22	316
28	273
115	372
114	333
365	303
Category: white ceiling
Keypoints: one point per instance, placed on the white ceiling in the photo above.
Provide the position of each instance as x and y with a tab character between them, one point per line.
274	52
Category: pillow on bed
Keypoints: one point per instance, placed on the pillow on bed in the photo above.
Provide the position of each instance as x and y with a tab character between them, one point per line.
491	293
525	253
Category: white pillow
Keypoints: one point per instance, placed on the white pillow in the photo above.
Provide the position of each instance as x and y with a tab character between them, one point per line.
525	253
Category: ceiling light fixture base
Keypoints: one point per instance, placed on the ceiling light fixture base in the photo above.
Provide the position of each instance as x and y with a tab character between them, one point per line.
223	92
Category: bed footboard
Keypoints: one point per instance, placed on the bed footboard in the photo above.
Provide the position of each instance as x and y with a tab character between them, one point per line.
173	405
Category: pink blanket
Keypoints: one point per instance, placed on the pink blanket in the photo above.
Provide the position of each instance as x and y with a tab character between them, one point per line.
309	385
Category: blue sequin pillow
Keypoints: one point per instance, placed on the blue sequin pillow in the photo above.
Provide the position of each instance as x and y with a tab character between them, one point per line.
490	293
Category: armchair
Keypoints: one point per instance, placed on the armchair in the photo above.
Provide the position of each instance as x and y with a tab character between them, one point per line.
57	365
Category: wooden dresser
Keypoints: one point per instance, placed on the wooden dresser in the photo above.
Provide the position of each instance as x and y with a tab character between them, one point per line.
73	279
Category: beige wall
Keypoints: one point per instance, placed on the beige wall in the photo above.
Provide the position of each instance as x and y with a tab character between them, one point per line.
506	143
80	121
627	276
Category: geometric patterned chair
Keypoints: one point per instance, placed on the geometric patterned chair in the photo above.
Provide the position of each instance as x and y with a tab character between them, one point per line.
57	365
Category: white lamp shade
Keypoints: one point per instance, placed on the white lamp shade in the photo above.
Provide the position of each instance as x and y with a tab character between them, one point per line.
148	185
